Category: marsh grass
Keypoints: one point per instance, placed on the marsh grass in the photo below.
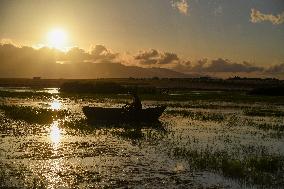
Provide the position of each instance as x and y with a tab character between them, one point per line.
263	112
268	126
202	116
277	127
32	114
25	94
263	170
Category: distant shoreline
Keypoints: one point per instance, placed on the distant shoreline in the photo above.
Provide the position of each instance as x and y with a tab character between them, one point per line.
231	84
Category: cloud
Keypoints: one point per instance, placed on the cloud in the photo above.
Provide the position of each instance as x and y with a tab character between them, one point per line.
101	54
216	66
9	41
154	57
181	5
76	55
256	17
224	65
27	61
183	67
279	68
218	10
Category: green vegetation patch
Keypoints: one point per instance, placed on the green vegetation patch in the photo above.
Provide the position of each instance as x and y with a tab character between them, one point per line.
264	169
32	114
203	116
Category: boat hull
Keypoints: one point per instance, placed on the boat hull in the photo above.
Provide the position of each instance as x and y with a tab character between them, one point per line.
119	114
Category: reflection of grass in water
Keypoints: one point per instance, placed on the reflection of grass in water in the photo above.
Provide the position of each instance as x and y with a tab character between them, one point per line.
131	130
33	115
263	112
133	134
264	169
203	116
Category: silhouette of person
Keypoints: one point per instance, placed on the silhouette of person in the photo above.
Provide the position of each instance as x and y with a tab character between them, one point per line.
136	103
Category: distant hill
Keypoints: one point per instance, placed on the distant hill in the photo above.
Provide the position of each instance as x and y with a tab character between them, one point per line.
85	71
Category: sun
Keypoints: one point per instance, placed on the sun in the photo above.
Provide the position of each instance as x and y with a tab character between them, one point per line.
57	38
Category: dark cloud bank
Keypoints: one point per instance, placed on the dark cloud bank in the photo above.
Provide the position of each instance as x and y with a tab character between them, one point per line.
100	62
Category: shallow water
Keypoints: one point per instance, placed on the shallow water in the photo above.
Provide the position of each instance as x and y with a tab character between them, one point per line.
70	153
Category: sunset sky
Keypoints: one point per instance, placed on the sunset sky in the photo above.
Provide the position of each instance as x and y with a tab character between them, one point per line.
243	30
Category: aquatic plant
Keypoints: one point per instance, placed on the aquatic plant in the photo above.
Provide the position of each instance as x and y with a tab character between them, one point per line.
25	94
262	169
32	114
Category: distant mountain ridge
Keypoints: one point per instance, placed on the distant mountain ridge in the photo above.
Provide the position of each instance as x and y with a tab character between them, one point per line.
86	71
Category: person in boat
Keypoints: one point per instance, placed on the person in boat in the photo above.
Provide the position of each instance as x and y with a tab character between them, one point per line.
136	104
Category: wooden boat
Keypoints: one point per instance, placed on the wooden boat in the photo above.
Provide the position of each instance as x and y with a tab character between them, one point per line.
123	115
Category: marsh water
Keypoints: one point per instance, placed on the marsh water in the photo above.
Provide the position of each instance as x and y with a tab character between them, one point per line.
196	144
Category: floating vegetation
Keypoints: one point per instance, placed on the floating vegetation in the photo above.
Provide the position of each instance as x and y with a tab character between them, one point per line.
264	169
33	114
263	112
203	116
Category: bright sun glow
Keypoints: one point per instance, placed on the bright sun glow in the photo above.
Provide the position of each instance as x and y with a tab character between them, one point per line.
57	38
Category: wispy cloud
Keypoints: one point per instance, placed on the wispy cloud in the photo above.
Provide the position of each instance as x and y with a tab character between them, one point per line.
218	10
181	5
256	17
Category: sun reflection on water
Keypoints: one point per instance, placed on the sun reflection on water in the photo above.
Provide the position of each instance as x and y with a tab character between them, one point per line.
55	134
56	105
52	90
